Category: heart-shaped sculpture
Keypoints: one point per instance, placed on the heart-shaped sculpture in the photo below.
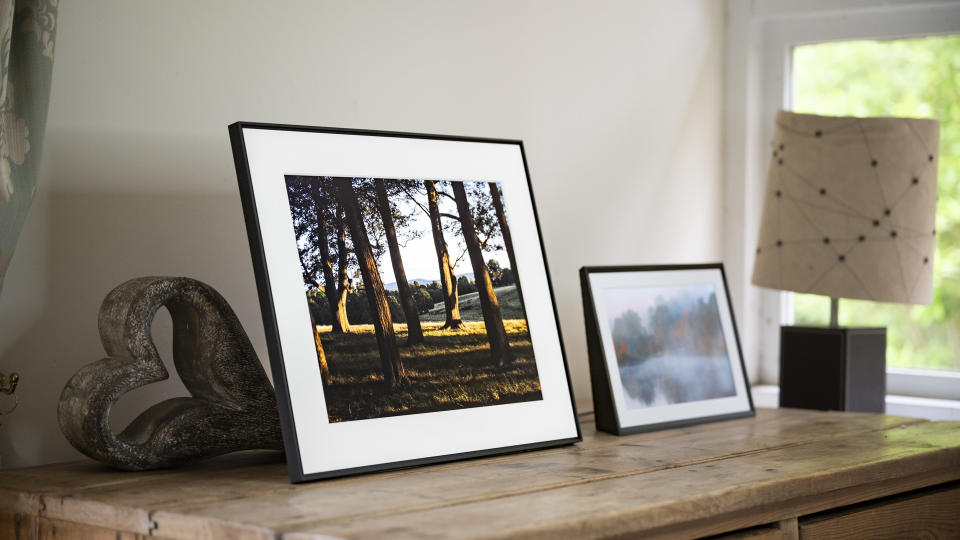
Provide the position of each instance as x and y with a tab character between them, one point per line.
233	406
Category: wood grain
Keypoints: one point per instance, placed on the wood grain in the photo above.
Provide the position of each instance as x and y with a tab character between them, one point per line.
673	496
768	532
17	526
692	481
85	483
933	514
532	473
55	529
789	529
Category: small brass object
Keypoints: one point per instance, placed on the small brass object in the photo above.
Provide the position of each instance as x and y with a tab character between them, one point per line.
8	385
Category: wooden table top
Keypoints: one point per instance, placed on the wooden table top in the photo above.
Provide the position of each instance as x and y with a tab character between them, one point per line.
699	480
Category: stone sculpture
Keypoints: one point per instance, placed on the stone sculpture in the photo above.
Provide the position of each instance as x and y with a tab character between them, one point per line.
232	405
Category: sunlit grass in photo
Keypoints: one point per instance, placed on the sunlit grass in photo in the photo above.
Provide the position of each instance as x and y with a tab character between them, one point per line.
451	370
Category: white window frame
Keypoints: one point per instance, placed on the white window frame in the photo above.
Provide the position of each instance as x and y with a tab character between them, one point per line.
760	37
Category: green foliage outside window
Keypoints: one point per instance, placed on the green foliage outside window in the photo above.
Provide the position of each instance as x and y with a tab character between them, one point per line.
914	78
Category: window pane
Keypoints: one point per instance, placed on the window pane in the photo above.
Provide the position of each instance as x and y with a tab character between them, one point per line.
908	77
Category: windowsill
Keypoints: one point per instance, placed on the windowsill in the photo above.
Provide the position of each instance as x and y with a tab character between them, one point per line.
768	396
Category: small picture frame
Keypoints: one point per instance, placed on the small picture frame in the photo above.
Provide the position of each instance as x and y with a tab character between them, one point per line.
405	296
663	347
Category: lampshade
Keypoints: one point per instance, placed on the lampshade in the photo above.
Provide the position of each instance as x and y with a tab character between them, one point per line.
849	208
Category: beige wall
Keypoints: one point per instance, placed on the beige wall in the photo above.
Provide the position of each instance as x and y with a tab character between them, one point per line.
619	105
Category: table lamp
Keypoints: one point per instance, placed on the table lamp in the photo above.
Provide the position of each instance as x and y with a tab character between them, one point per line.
848	212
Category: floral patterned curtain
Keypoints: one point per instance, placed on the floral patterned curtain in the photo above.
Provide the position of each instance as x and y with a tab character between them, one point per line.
27	29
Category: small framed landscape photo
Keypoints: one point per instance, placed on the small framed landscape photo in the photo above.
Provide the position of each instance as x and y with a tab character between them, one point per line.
663	347
405	297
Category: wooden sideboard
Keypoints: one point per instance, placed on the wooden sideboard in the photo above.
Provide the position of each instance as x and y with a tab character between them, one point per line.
784	474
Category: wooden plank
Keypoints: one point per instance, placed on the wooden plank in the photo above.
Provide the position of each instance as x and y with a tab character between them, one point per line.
18	526
851	466
799	506
511	475
933	514
23	502
54	529
250	491
769	532
22	489
78	475
264	472
98	514
790	529
51	491
70	477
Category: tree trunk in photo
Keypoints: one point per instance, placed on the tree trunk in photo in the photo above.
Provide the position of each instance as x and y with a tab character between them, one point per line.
392	365
414	332
329	285
448	280
507	238
321	356
340	320
492	319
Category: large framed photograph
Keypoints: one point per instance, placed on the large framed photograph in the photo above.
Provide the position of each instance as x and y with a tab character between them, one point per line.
405	296
663	346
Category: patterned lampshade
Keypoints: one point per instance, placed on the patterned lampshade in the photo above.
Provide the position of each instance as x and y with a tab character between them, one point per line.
849	208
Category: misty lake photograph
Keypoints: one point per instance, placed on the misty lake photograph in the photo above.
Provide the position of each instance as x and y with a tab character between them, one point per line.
669	344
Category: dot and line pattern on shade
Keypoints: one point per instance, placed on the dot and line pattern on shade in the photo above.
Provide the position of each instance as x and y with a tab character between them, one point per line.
849	208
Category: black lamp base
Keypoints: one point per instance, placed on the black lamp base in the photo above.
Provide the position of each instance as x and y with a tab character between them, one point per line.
833	369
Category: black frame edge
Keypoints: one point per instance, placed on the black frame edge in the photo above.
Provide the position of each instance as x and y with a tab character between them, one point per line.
433	460
598	357
291	444
553	297
736	335
604	412
380	133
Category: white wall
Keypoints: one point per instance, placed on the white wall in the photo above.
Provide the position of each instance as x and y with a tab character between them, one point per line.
619	105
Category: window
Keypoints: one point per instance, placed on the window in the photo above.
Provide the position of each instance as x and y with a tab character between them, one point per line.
912	78
761	41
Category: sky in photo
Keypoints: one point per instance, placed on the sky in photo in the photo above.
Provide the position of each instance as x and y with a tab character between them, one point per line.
640	299
419	255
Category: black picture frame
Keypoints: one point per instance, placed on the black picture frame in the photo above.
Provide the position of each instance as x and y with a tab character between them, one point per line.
609	417
268	302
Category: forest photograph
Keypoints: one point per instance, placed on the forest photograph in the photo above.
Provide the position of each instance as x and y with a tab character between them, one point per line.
669	344
413	294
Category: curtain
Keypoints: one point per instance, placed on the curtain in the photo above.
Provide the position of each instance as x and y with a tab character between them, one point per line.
27	30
